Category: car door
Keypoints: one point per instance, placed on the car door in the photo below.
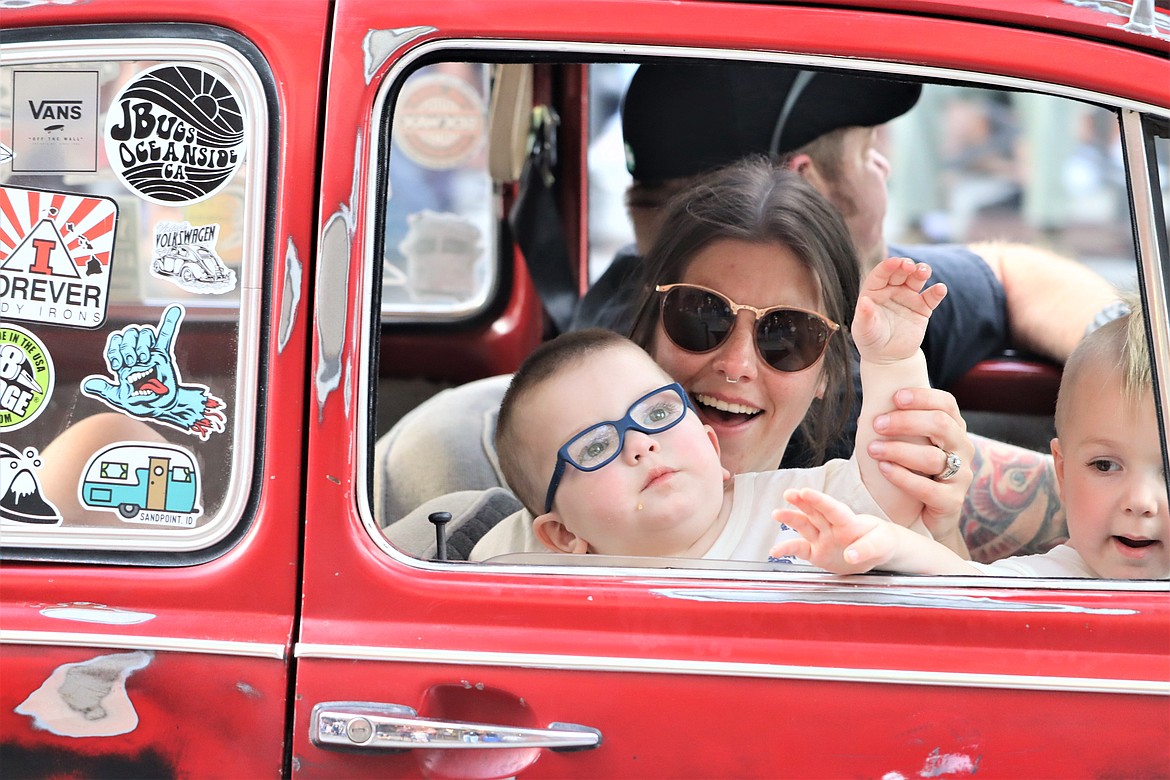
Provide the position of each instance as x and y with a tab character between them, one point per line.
149	578
553	668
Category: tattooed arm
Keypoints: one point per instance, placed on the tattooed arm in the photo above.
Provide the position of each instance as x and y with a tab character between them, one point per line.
1013	506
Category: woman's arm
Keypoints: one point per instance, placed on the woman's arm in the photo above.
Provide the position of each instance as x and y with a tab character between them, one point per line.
924	425
1013	506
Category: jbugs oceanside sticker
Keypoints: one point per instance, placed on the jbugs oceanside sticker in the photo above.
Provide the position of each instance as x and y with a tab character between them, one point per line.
56	251
26	377
175	134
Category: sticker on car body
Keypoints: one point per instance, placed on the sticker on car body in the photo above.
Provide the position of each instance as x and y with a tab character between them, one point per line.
21	501
26	377
56	254
175	134
54	121
185	254
143	482
146	382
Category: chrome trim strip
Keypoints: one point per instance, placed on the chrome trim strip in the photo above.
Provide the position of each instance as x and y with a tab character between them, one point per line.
1153	267
731	669
132	642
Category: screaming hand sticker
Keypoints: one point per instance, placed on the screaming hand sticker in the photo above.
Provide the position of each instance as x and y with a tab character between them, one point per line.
146	382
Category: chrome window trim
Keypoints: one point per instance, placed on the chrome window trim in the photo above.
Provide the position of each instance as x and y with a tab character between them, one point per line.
691	667
242	407
576	50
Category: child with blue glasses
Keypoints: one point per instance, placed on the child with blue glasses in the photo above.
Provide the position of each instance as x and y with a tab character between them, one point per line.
606	452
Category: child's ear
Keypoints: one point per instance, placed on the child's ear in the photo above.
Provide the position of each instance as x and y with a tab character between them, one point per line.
1058	462
556	536
714	439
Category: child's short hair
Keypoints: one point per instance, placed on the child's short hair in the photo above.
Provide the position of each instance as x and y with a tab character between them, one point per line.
545	362
1119	345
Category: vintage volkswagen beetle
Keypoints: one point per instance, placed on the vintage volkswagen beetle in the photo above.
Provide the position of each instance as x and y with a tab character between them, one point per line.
353	164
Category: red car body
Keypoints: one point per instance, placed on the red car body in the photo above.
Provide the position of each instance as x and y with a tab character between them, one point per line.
698	673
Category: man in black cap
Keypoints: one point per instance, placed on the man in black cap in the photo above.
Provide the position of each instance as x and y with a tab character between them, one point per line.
682	119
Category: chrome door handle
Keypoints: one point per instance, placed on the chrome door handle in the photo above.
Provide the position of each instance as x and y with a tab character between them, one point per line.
355	724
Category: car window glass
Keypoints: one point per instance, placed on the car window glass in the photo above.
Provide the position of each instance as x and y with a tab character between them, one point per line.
972	164
131	195
439	256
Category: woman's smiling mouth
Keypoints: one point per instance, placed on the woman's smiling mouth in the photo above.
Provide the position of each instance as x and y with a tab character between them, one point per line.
724	411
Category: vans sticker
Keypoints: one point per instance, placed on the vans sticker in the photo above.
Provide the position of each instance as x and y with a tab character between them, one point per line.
55	121
175	134
26	377
144	482
21	500
56	251
146	383
186	255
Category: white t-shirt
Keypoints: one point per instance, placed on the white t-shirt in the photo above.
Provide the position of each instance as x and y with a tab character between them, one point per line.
750	531
1060	561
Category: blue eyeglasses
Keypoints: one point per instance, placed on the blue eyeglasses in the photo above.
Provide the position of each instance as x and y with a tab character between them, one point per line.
597	445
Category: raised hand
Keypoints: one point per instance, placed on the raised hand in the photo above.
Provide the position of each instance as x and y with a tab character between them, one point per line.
833	536
893	310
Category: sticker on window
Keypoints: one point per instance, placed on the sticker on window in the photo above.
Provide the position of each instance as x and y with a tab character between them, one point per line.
26	377
21	501
56	250
54	121
175	134
439	121
185	254
143	482
146	382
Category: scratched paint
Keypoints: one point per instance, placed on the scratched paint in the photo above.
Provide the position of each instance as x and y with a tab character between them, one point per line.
87	612
939	764
87	699
290	297
378	45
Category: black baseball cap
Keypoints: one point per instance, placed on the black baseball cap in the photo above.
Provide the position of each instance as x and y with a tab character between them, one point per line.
681	119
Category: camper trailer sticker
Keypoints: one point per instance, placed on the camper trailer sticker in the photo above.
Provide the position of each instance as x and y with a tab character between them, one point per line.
146	383
143	482
26	377
175	134
21	501
185	254
55	254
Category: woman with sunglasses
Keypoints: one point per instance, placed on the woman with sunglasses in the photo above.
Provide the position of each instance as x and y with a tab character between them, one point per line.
746	300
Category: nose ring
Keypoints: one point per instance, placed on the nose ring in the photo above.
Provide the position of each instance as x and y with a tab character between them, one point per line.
730	381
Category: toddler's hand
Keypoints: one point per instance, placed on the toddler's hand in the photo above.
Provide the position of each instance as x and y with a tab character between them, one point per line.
834	537
893	310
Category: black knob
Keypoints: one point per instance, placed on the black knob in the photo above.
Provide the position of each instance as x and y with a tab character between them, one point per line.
440	520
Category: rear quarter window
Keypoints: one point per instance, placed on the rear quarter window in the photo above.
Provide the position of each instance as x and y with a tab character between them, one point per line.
132	190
